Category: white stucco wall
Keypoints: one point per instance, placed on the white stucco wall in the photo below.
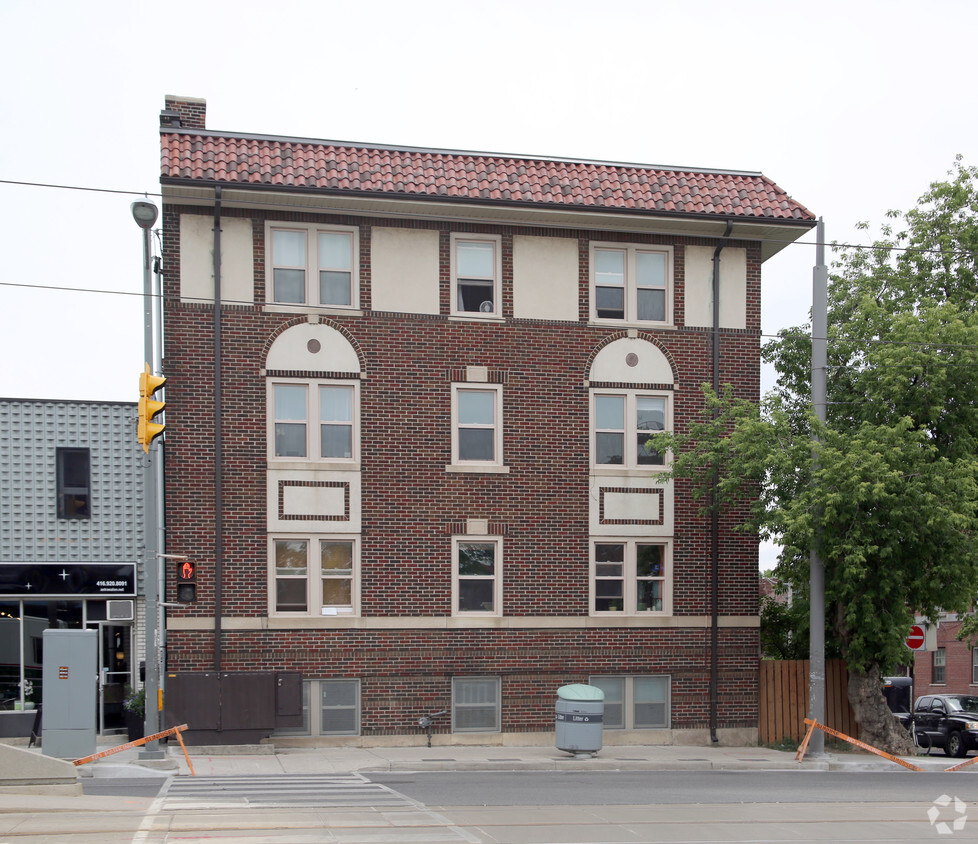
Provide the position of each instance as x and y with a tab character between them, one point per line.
545	278
699	287
404	270
197	259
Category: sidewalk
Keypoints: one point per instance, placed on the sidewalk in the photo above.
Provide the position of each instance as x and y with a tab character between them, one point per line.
268	760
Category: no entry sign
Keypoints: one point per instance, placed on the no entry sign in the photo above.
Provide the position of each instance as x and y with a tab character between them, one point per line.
915	641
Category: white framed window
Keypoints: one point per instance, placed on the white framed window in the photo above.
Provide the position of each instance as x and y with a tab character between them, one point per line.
338	712
476	272
314	575
477	576
475	705
635	702
940	666
622	422
631	577
477	424
312	265
631	283
314	420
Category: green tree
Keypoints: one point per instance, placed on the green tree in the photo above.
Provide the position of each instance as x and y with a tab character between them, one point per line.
891	498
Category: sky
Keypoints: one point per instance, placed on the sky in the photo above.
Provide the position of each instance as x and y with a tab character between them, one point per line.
852	107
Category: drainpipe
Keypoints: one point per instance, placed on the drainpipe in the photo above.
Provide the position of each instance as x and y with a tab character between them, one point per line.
218	456
715	509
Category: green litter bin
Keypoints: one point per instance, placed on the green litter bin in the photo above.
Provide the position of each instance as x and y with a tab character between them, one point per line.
580	719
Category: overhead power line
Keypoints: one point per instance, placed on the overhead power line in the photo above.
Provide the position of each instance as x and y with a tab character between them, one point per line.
246	302
285	206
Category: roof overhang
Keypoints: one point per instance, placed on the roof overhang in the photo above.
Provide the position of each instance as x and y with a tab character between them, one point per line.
772	234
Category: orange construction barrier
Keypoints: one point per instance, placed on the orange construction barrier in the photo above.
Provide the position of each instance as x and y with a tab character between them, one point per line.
961	765
813	724
129	745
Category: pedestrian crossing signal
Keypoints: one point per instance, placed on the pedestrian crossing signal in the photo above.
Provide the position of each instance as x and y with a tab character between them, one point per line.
186	581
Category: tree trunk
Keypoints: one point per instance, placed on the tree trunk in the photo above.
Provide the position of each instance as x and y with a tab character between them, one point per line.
877	726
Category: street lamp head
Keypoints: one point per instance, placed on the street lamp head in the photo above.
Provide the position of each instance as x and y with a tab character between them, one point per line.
144	213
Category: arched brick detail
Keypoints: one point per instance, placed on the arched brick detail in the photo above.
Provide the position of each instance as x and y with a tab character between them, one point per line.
302	320
623	335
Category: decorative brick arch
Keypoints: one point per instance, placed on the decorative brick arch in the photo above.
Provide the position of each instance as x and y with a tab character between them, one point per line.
623	335
302	320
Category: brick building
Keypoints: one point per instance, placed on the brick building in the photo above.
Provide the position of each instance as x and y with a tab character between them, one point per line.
427	485
952	667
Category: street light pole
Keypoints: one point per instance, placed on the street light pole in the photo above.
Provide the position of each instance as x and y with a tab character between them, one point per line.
145	215
816	580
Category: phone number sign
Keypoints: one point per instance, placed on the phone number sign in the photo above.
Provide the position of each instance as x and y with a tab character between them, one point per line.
47	580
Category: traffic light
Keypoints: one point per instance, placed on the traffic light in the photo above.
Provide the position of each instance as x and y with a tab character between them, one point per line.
148	430
186	581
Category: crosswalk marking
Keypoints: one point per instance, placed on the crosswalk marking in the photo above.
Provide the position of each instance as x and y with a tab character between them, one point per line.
281	791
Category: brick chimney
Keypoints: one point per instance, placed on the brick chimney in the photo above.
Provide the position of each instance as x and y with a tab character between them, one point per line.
183	112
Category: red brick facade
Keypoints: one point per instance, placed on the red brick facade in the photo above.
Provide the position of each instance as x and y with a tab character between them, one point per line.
960	674
412	507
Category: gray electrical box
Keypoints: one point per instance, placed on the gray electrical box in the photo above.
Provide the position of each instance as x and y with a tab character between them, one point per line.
70	675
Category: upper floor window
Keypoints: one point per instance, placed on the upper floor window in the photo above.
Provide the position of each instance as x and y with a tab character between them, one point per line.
477	576
314	420
314	575
476	274
74	483
477	424
631	283
940	666
630	577
622	425
313	265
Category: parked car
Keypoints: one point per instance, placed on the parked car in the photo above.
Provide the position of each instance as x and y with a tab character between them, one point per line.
898	692
947	721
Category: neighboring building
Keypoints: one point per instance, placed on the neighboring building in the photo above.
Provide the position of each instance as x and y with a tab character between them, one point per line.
952	667
770	587
71	521
427	486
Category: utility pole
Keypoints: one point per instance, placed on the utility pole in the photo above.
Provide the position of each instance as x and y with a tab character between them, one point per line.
145	215
816	577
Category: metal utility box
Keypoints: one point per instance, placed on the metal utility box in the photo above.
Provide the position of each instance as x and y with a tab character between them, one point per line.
232	707
579	719
70	682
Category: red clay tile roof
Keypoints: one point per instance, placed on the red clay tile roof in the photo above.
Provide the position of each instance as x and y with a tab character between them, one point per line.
474	177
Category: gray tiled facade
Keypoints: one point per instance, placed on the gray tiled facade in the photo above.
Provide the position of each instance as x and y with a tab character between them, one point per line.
31	432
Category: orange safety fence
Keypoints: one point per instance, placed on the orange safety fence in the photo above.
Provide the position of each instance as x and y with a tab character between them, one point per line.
813	724
964	764
129	745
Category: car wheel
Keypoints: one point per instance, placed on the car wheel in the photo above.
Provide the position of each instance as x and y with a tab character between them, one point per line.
955	746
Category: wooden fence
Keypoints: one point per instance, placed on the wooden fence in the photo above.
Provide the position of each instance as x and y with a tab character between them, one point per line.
783	698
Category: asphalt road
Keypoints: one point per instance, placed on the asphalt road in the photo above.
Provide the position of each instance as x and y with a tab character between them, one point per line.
472	807
609	788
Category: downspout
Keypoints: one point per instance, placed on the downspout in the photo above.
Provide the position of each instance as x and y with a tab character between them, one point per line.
715	508
218	456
